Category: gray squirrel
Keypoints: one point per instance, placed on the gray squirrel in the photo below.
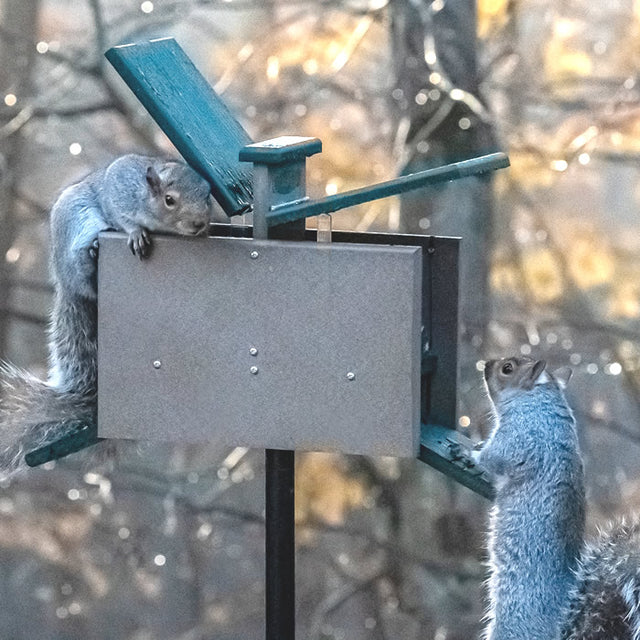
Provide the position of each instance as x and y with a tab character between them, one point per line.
546	582
137	195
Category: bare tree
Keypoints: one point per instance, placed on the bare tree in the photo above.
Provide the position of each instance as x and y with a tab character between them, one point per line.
18	22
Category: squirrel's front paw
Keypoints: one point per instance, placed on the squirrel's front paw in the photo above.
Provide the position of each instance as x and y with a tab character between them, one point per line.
139	242
93	249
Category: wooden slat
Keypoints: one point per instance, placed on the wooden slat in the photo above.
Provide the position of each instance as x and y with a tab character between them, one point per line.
419	180
189	111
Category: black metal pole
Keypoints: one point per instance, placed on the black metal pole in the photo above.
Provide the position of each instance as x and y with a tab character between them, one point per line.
279	176
280	545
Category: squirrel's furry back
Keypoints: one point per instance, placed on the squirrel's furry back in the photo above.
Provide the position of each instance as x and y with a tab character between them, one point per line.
33	413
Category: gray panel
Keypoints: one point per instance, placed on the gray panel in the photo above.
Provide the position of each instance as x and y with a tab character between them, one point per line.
314	313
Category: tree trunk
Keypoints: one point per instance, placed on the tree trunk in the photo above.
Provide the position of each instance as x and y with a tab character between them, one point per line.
18	20
442	120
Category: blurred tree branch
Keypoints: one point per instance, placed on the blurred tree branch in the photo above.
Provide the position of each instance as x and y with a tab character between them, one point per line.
17	16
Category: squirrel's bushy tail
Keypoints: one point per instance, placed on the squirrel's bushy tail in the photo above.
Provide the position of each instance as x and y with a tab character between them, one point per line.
606	597
32	413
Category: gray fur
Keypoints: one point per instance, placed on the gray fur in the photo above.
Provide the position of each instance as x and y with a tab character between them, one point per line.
32	413
605	599
537	522
545	583
135	194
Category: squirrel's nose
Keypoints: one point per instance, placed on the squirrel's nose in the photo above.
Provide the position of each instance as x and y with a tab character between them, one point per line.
199	227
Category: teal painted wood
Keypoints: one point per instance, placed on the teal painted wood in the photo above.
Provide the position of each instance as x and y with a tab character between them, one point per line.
80	435
189	111
454	171
449	451
281	150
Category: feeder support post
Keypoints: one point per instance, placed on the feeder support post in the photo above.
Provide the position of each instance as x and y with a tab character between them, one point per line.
279	177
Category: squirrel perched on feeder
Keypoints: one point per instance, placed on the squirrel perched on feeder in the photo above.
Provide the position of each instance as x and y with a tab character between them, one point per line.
545	582
135	194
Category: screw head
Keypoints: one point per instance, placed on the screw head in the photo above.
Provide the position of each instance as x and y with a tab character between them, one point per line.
254	255
351	376
254	370
157	364
253	351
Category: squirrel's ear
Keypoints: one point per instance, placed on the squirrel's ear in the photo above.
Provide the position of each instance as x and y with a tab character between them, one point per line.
562	376
154	181
538	374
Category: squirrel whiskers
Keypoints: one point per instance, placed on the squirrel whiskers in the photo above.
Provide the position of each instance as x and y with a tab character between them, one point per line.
135	194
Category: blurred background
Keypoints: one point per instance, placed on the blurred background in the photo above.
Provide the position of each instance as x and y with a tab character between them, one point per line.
166	542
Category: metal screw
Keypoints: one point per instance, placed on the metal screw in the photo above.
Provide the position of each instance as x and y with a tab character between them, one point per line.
254	255
351	375
431	250
157	364
253	351
254	370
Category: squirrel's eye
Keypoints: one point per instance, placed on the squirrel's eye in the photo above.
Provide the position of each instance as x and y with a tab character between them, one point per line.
169	200
507	368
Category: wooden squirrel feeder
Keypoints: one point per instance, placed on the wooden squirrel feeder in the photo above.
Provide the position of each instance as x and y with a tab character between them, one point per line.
274	336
